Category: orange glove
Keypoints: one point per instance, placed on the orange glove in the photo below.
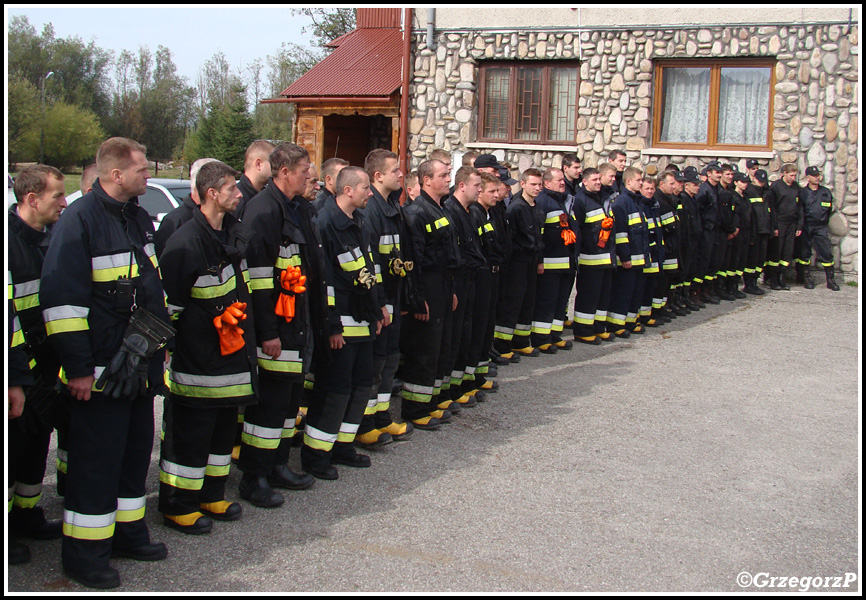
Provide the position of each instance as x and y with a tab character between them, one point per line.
230	334
292	283
604	234
568	236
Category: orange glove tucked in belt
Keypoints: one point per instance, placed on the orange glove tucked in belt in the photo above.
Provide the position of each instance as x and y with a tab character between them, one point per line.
604	234
292	283
568	236
230	334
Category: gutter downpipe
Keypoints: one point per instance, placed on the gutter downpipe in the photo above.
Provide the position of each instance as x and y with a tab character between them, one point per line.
404	96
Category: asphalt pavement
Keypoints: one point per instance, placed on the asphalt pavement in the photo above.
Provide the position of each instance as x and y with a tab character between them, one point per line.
718	453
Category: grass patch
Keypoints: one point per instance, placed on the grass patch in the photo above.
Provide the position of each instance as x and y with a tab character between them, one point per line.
851	283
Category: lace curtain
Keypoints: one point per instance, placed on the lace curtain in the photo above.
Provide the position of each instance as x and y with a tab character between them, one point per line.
744	100
686	105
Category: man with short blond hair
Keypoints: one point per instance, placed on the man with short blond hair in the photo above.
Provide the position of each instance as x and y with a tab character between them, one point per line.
330	170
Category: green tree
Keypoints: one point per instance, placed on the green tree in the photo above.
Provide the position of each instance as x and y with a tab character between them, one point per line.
72	134
24	118
227	130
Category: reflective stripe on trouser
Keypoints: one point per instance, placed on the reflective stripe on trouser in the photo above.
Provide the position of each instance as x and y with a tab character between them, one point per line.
110	443
422	350
27	449
592	301
646	304
625	298
269	425
819	239
551	303
483	321
337	406
515	303
195	456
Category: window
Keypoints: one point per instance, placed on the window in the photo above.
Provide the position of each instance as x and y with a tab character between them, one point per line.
714	104
529	102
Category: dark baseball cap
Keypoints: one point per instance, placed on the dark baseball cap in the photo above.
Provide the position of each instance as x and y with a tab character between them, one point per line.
761	175
751	163
691	169
813	171
679	176
691	177
714	166
505	176
741	177
704	171
486	160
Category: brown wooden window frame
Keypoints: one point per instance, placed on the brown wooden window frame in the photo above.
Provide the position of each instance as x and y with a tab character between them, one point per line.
715	66
511	126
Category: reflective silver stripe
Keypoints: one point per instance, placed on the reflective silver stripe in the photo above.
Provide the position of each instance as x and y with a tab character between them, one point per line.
90	521
349	428
418	389
112	261
317	434
27	288
65	312
174	309
348	321
265	433
285	355
131	503
212	280
219	460
181	471
595	213
27	491
261	272
621	235
289	251
213	381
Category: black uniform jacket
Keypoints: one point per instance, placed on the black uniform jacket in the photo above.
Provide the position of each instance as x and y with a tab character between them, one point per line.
491	233
632	237
555	254
355	308
784	200
203	275
590	212
817	206
97	243
670	229
763	221
286	237
525	223
383	222
709	206
471	254
434	240
26	250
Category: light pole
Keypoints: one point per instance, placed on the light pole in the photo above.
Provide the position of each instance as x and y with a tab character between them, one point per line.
42	133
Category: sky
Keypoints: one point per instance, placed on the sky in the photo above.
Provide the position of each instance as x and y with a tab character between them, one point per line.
192	33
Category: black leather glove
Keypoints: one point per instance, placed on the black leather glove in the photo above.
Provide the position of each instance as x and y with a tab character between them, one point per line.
125	377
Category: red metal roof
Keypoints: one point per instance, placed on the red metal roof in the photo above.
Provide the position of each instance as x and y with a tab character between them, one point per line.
366	63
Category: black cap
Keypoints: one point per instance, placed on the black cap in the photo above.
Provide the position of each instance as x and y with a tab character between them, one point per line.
714	166
813	171
504	175
691	169
679	176
751	163
704	171
691	177
741	177
761	175
486	160
734	167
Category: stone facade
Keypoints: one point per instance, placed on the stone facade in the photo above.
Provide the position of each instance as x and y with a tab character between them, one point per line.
816	113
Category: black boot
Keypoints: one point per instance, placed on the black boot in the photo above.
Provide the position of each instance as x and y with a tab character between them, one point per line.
723	286
257	491
735	288
782	278
283	477
18	553
750	285
755	287
772	273
831	280
800	278
808	282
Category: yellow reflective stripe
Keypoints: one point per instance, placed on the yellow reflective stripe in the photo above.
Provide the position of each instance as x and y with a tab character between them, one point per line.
130	509
756	200
218	465
60	319
88	527
213	291
288	361
353	328
542	328
557	263
351	260
207	386
114	266
553	217
594	259
315	438
438	224
826	204
267	438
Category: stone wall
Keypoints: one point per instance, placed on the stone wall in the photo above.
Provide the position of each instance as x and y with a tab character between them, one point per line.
816	113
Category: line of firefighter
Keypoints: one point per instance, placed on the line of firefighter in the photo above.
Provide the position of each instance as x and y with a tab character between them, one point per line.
271	313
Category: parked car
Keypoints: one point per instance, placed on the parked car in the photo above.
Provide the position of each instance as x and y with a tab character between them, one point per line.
162	197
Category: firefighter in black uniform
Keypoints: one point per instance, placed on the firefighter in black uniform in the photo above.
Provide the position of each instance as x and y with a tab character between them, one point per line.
40	193
517	298
437	257
554	285
727	216
691	239
653	269
818	206
667	288
357	315
741	207
596	260
286	248
762	228
713	236
384	223
213	366
18	377
467	185
99	273
783	198
494	240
